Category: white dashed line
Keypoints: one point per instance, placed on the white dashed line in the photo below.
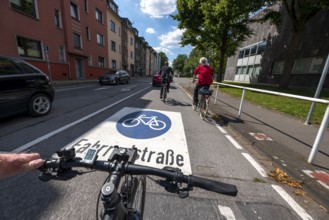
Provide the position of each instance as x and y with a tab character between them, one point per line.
255	164
226	212
298	209
238	146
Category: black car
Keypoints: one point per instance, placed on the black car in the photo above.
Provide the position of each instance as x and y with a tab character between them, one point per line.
120	76
23	88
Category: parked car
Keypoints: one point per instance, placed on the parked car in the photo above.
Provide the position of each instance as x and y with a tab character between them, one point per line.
23	88
120	76
156	79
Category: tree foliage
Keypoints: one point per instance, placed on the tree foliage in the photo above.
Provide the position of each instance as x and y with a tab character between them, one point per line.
218	27
179	63
163	58
215	27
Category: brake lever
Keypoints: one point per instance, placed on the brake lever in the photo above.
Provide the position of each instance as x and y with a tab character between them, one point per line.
173	187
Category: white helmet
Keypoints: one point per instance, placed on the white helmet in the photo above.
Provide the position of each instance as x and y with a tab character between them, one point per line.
203	61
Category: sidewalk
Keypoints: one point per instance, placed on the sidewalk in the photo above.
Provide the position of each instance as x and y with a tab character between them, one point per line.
286	141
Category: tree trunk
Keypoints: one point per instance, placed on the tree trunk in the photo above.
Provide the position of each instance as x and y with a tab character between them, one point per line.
291	56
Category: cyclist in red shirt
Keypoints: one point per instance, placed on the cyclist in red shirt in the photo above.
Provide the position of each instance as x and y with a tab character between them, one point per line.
205	74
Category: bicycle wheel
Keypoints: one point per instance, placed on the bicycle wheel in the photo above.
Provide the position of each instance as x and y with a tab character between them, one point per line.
164	93
134	190
203	108
198	107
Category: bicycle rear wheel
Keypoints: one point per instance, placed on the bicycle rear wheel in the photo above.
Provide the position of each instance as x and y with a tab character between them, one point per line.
203	108
164	96
135	188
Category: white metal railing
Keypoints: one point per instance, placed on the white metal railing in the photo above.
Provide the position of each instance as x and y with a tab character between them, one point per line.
324	122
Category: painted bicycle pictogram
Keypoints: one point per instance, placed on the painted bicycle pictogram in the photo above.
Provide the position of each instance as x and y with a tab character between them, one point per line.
151	121
144	124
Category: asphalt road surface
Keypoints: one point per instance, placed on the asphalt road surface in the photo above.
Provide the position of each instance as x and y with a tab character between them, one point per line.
93	114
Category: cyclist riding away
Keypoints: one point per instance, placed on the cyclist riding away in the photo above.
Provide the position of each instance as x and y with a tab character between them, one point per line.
205	74
166	77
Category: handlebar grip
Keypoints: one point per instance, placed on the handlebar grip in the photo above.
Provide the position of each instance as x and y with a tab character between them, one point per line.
212	185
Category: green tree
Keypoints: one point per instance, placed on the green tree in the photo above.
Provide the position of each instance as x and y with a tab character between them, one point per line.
215	27
299	12
179	62
163	58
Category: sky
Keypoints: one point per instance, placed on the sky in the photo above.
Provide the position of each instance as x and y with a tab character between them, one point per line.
151	19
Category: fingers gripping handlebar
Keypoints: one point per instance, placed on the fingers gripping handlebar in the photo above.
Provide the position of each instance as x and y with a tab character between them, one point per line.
61	169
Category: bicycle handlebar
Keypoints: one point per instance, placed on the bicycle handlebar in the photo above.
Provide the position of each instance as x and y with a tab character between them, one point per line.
133	169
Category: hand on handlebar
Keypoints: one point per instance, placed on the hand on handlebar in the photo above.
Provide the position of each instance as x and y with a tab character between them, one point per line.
13	164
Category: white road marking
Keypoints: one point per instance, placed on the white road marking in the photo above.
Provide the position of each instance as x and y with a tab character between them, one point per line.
226	212
46	136
260	170
236	144
293	204
102	88
81	87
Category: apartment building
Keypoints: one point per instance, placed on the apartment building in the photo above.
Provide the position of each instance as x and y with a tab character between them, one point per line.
260	58
114	37
71	39
65	39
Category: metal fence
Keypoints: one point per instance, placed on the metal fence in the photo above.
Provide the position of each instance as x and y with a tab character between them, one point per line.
324	122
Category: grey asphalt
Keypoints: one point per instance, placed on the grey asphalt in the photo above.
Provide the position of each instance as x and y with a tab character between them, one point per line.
291	140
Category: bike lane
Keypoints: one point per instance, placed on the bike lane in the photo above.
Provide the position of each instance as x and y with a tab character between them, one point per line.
158	135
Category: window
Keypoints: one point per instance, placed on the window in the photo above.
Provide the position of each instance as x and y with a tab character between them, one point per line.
29	48
131	41
101	61
114	64
7	67
112	26
58	20
86	6
26	6
302	66
61	51
77	41
316	65
99	16
278	67
88	33
113	46
90	59
114	8
74	11
261	47
131	55
100	39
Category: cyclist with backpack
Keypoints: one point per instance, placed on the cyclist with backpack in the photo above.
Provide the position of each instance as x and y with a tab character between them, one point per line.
205	74
166	77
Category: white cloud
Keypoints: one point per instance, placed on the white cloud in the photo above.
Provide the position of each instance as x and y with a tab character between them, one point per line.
150	31
172	38
162	49
158	8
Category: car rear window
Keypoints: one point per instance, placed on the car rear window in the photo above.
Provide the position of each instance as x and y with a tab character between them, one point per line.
27	68
8	68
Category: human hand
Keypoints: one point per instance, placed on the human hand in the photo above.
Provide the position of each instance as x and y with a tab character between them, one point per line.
12	164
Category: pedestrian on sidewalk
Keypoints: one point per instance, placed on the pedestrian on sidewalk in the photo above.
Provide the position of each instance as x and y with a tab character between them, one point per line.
205	75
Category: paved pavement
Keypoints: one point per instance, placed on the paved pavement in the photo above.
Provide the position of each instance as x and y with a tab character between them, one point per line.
285	141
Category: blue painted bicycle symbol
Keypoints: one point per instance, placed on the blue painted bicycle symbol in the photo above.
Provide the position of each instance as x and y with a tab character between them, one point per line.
144	124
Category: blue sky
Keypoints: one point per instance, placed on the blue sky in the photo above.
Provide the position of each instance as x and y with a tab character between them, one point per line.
151	18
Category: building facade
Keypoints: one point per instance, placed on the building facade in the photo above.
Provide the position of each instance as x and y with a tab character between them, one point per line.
260	58
71	39
114	37
67	40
